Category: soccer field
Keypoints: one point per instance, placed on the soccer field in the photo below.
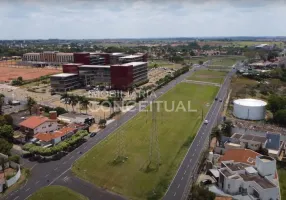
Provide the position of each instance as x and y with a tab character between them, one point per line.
176	131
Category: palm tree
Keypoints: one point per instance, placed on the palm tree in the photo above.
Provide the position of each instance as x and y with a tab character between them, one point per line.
66	97
30	104
73	101
84	102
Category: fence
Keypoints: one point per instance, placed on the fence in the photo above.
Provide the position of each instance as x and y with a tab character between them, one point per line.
14	179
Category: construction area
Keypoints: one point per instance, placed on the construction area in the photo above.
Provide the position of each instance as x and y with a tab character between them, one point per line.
10	70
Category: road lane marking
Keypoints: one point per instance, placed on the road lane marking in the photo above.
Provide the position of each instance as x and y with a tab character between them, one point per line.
27	190
182	178
47	175
55	168
185	172
59	176
64	162
175	194
71	157
37	182
189	165
16	197
178	186
85	147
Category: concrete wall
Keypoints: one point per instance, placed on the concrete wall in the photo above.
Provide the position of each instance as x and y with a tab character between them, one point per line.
14	179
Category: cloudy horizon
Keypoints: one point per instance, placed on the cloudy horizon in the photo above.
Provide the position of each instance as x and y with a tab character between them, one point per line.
87	19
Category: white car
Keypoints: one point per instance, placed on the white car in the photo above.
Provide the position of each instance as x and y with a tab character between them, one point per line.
206	122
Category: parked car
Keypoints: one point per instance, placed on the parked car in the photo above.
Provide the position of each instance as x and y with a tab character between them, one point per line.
206	182
92	134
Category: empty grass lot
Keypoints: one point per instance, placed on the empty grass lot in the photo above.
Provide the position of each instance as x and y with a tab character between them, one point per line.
282	183
176	131
208	76
56	193
225	62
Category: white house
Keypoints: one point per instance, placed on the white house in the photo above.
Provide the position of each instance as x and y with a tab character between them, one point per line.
256	182
38	124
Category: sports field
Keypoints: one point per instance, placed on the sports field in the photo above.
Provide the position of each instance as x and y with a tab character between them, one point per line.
176	131
208	76
56	193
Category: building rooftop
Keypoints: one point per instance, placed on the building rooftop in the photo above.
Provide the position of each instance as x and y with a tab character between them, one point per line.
74	115
56	134
133	64
223	198
225	172
63	75
34	121
246	156
131	56
64	54
236	166
32	53
117	54
263	182
95	66
254	138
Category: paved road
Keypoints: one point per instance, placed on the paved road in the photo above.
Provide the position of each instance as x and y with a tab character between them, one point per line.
44	174
181	180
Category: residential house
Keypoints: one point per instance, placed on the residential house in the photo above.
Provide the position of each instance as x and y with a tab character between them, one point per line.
53	138
249	141
245	156
38	124
241	180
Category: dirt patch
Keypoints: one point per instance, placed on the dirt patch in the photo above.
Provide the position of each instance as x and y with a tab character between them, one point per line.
10	70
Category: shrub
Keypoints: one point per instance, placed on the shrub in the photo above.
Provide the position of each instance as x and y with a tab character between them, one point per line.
15	159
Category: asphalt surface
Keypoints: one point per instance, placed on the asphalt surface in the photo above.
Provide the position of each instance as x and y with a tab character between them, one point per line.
181	181
44	174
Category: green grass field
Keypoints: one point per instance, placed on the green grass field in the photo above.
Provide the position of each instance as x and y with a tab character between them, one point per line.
208	76
56	193
176	131
226	61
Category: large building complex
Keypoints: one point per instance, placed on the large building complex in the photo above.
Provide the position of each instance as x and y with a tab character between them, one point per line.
117	70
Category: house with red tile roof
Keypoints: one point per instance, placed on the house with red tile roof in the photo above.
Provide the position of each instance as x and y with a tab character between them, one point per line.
57	136
246	156
38	124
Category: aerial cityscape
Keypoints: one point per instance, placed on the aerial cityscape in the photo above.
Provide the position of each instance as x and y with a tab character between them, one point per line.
142	100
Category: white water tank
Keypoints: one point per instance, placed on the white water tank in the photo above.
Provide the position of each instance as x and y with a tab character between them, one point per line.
249	109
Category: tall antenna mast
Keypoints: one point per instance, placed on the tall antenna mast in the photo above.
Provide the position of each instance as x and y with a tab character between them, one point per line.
120	146
154	150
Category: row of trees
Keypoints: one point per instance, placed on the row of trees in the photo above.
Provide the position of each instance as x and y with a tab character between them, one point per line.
6	130
73	100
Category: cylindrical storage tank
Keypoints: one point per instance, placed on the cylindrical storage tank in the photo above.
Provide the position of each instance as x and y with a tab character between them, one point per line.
249	109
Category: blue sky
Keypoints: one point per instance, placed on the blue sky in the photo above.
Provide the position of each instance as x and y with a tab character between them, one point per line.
97	19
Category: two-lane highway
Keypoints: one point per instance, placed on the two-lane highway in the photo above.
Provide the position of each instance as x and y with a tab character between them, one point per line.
181	181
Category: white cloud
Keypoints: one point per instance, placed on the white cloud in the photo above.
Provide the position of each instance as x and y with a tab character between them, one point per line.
126	19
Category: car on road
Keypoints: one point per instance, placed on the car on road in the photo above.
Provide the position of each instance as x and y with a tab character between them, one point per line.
220	100
92	134
206	122
216	99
